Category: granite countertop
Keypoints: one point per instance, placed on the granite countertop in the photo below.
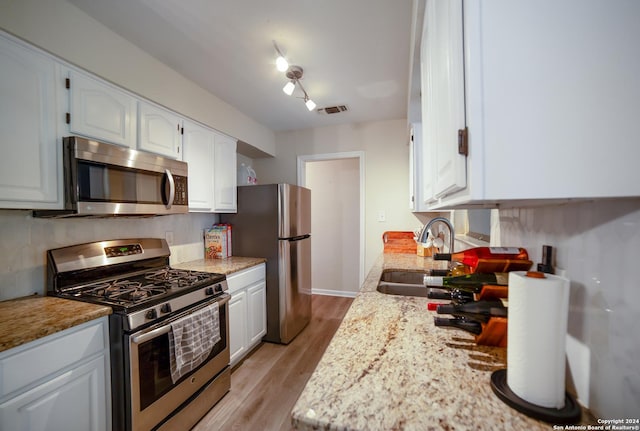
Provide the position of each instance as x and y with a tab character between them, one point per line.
27	319
222	266
389	368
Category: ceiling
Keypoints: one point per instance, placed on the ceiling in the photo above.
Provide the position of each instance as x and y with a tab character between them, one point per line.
353	52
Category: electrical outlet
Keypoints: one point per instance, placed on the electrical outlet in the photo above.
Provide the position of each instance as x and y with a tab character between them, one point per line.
382	217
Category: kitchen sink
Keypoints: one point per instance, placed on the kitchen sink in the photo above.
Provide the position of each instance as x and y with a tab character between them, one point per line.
405	283
404	277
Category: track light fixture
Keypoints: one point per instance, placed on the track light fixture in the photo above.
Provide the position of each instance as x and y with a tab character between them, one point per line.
294	74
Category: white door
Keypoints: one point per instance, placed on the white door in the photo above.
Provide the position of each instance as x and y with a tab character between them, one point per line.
73	401
257	312
237	326
198	152
159	131
101	111
225	174
443	87
28	166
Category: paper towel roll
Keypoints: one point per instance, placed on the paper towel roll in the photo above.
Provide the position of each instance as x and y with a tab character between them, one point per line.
536	337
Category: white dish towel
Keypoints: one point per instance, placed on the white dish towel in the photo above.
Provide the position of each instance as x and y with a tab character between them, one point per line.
191	340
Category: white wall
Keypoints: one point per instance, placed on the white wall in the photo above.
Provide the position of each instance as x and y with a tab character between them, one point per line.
385	144
64	30
25	240
598	244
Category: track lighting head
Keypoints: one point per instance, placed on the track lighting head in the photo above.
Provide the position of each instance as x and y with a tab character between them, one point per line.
289	87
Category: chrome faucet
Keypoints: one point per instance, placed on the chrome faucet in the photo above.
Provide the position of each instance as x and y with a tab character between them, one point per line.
427	229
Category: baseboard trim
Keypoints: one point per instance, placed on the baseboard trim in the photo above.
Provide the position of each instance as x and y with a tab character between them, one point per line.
333	293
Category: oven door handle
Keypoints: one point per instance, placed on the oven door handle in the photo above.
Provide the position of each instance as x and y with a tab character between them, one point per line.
139	339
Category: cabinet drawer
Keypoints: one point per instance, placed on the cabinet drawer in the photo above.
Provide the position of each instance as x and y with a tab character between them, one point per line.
246	277
27	364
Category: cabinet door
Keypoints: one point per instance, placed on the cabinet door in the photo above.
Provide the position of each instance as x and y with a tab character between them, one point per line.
257	312
28	166
73	401
237	326
225	174
159	131
443	87
198	152
101	111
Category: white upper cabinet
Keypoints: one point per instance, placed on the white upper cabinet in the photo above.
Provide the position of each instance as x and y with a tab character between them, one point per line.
443	99
159	130
101	111
225	174
28	135
550	96
211	157
198	145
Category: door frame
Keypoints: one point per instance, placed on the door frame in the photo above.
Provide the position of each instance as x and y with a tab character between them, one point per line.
302	164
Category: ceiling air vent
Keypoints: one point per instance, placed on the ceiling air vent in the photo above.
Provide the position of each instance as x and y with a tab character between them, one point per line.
332	109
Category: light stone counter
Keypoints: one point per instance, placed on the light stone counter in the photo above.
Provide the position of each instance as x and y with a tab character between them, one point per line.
389	368
222	266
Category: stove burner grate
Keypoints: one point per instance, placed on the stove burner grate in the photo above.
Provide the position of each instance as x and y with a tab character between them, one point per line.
124	290
176	278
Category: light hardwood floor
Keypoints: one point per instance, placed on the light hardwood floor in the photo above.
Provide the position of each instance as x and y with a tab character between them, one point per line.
265	387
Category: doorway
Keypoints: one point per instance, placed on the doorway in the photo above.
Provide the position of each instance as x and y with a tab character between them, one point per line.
337	220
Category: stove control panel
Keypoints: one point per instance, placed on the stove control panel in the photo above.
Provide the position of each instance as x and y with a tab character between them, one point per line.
177	304
123	250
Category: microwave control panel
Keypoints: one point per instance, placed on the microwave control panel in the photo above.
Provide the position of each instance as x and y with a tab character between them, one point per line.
181	197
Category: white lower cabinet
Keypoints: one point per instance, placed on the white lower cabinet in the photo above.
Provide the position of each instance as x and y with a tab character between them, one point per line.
247	310
238	326
60	382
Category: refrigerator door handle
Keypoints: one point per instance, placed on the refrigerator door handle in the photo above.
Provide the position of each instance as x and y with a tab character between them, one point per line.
297	238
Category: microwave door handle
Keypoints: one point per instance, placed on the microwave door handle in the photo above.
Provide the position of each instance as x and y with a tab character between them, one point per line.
172	188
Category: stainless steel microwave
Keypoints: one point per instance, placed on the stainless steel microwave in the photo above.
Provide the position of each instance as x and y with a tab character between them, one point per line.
103	179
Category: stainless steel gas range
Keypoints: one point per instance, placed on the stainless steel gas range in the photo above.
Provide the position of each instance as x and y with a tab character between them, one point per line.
169	328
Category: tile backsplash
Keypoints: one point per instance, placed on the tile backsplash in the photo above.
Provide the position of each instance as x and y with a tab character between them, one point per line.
598	245
24	241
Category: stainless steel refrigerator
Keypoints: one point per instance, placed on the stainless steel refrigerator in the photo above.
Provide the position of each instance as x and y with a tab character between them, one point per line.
274	221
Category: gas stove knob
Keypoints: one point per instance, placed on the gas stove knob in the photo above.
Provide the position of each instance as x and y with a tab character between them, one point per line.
165	308
209	291
218	288
151	314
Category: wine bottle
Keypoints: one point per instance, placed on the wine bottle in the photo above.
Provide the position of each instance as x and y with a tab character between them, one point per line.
456	296
481	311
510	258
471	282
471	326
457	269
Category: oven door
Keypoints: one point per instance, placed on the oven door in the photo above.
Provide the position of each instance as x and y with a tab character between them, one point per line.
153	395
